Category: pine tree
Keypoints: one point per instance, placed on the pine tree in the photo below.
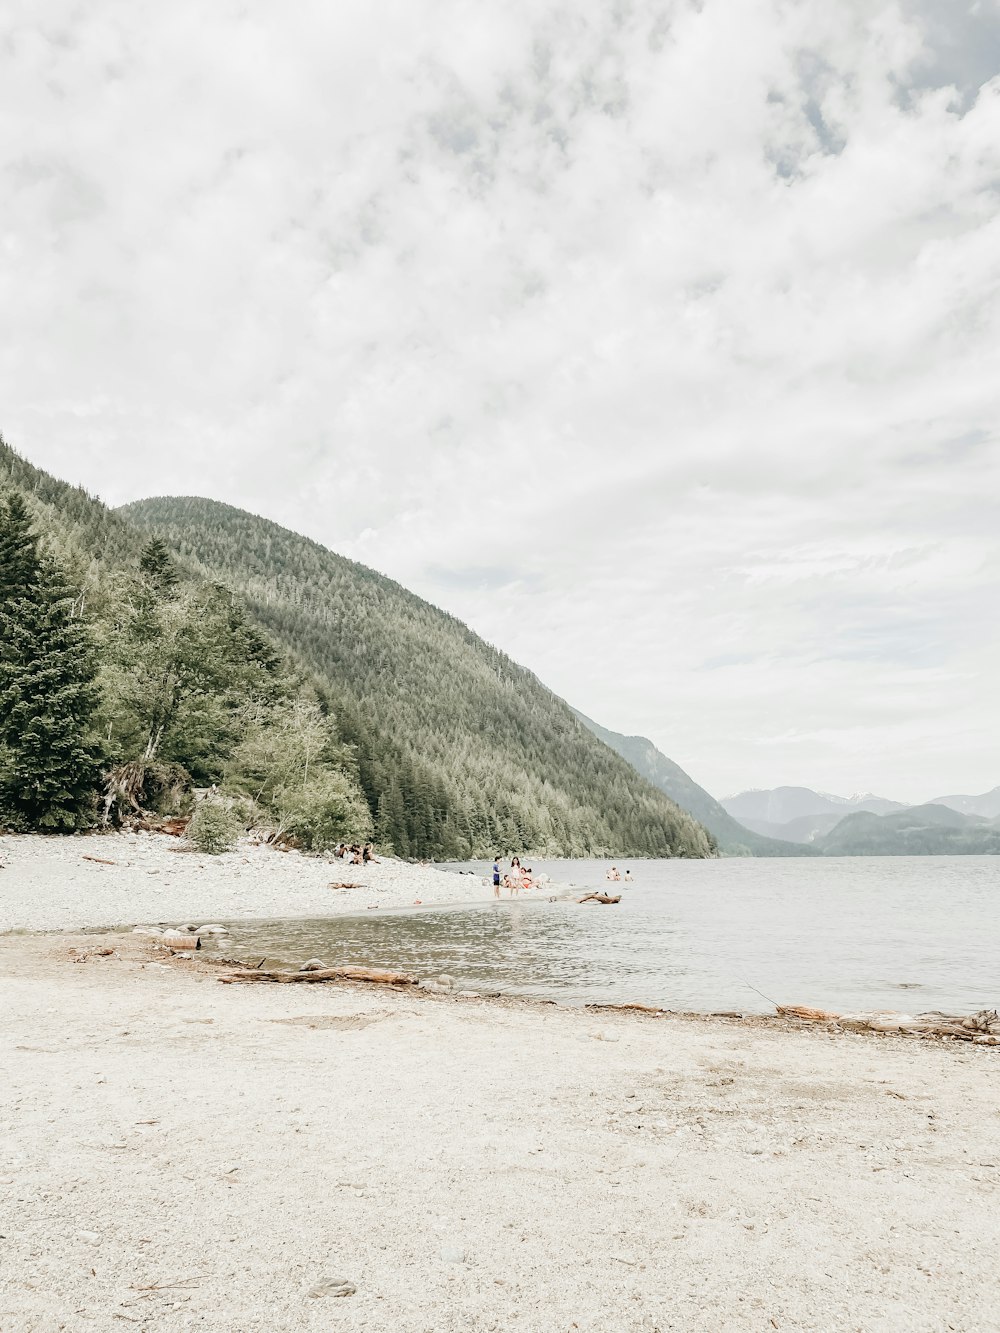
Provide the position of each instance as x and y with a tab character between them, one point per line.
18	548
49	761
157	564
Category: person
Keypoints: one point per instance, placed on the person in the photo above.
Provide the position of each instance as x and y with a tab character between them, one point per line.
628	877
496	876
369	854
613	873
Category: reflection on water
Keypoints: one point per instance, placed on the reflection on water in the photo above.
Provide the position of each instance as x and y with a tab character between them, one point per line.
902	933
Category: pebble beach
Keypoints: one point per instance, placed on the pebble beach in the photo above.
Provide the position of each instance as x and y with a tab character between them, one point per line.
129	879
253	1158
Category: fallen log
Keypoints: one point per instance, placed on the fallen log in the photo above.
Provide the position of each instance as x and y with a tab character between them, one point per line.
376	976
806	1014
100	860
982	1028
600	898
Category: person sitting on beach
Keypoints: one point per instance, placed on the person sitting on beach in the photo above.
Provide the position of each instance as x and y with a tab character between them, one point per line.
369	854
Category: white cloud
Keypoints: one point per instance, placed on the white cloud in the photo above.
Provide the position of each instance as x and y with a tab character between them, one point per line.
657	340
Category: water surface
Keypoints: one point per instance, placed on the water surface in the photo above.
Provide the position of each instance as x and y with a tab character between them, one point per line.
907	933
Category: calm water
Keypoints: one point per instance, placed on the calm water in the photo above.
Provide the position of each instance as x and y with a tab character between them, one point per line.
906	933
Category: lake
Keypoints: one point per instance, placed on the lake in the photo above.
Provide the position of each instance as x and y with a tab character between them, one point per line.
906	933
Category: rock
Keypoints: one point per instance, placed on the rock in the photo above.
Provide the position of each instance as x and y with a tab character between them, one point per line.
445	980
332	1286
452	1254
91	1237
314	965
468	995
212	930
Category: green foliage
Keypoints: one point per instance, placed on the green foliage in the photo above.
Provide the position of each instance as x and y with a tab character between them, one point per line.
213	828
157	566
49	756
291	763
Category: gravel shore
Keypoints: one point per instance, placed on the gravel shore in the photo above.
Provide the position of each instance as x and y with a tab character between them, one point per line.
180	1154
66	884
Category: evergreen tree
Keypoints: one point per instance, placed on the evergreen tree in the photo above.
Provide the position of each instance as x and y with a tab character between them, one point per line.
157	565
49	761
18	548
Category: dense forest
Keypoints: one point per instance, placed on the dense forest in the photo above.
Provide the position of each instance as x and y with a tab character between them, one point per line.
182	644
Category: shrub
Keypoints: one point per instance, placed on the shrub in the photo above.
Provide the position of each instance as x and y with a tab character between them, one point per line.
328	811
213	828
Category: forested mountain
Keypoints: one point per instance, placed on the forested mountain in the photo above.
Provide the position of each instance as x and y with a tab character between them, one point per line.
923	830
733	838
460	751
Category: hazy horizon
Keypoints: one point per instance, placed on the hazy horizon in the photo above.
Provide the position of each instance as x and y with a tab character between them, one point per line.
656	342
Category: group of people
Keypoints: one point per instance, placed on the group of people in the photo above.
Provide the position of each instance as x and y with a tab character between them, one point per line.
355	854
513	880
615	874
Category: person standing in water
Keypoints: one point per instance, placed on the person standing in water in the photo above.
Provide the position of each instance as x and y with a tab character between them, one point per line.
496	877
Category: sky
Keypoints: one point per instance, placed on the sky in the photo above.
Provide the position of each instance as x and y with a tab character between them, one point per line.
657	340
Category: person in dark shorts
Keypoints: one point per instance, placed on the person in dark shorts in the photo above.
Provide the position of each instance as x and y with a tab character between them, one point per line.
496	877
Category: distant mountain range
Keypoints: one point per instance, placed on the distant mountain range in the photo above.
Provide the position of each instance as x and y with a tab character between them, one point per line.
922	830
734	838
870	825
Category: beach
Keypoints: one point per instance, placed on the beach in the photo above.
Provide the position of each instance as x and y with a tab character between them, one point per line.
119	879
179	1153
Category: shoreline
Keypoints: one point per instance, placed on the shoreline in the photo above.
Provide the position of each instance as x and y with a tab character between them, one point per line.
128	879
185	1153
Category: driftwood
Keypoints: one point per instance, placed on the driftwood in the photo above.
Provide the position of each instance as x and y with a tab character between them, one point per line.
376	976
101	861
600	898
982	1028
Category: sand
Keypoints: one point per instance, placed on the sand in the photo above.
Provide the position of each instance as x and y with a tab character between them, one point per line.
63	884
177	1154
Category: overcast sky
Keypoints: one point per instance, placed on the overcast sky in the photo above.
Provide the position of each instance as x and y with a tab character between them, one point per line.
659	341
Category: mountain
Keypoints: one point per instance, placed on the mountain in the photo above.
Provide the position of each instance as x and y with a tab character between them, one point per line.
286	649
470	750
733	838
987	805
923	830
799	814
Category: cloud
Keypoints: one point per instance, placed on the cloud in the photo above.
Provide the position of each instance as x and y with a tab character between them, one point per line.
640	336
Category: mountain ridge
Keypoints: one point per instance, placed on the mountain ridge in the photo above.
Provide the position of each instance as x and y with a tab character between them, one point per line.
460	711
734	839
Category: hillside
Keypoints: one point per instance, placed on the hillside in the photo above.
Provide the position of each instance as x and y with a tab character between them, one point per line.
460	750
733	838
924	830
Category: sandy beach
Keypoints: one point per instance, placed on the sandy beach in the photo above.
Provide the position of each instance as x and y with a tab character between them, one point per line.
178	1153
122	879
